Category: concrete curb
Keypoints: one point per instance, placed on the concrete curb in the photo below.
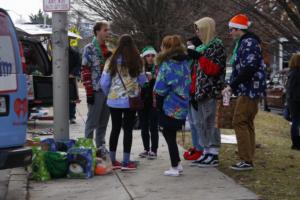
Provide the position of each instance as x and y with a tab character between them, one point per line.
17	185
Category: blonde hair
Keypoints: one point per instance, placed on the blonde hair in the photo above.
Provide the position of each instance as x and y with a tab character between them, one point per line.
294	62
207	27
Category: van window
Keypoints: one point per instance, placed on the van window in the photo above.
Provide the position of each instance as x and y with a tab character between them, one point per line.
35	65
8	77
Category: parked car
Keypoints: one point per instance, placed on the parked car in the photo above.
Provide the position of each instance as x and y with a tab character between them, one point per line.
276	91
13	98
39	67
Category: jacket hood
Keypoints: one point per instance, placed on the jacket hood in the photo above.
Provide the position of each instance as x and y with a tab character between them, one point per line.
178	54
251	35
207	28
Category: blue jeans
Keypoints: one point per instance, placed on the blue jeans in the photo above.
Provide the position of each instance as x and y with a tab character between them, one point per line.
194	130
295	130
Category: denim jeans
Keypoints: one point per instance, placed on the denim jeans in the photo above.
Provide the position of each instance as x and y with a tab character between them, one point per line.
192	116
295	136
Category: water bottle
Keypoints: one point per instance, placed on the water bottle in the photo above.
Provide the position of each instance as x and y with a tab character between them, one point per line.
226	98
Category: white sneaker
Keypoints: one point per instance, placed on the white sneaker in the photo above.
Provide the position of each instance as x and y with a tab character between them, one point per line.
180	168
172	172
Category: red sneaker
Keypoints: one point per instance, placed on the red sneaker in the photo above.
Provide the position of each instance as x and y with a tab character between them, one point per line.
196	155
188	153
192	154
192	149
117	165
129	167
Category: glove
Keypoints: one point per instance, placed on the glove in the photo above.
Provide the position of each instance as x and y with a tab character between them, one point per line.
108	54
193	54
194	103
90	100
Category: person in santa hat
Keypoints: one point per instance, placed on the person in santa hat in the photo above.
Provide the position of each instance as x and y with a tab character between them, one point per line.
248	82
148	116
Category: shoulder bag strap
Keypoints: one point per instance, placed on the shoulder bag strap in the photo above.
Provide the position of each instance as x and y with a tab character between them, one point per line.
120	77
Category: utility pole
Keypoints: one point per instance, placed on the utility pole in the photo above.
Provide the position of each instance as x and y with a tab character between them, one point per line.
60	66
45	19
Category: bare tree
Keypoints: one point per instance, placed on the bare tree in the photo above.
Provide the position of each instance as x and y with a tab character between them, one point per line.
150	20
147	20
274	18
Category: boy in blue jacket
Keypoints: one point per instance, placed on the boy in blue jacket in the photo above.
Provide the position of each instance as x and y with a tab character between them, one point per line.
249	84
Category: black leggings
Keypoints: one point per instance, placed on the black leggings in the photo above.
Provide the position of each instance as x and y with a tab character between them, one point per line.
149	121
121	117
170	136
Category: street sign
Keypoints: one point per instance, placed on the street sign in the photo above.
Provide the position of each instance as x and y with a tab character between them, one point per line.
56	5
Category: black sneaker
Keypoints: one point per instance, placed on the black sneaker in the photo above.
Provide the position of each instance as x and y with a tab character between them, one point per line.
73	121
201	159
211	161
294	147
152	155
242	166
144	154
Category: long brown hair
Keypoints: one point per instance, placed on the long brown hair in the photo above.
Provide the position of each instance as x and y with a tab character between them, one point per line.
294	62
131	60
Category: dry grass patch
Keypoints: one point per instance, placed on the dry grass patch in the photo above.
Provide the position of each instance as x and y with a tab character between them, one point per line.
277	167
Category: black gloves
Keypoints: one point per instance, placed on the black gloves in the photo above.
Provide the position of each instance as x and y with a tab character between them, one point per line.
193	54
108	54
194	103
90	100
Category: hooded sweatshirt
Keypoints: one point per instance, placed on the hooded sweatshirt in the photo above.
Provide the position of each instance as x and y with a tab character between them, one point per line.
212	61
207	28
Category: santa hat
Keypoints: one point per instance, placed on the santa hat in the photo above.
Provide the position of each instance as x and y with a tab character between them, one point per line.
240	22
148	50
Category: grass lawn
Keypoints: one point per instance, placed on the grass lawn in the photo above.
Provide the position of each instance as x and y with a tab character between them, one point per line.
277	167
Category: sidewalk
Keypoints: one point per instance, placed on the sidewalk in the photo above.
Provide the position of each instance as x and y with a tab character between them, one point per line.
4	180
145	183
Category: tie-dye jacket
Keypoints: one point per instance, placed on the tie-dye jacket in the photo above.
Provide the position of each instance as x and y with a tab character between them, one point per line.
173	83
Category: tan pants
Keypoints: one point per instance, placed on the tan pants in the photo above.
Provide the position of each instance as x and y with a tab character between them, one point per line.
243	123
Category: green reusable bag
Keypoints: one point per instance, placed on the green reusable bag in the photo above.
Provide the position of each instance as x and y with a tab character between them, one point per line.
39	169
57	164
87	143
